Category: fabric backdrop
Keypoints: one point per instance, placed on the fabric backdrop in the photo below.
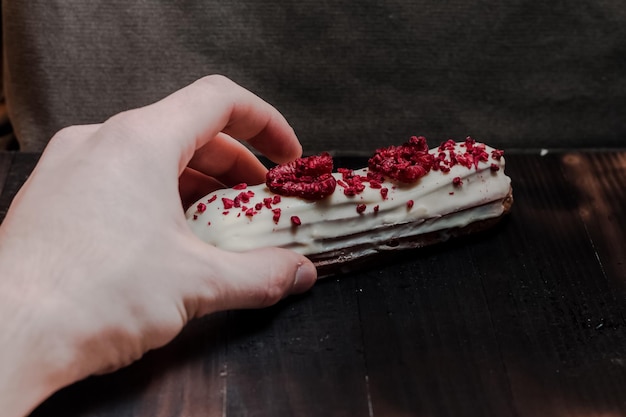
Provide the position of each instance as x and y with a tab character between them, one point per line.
350	76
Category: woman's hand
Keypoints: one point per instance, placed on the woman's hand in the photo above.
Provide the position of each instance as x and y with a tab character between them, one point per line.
97	264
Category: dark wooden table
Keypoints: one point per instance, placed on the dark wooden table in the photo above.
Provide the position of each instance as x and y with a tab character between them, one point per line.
526	320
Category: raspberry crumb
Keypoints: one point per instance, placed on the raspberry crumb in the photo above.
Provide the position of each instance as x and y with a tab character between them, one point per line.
212	199
376	208
295	220
360	208
497	154
457	182
383	192
276	199
352	183
228	203
276	217
201	207
448	145
244	197
195	217
375	185
241	186
409	204
495	167
258	206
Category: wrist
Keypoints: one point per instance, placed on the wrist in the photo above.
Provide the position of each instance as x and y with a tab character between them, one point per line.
35	361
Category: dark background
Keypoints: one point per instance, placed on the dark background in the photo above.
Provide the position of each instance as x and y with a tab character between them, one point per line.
350	76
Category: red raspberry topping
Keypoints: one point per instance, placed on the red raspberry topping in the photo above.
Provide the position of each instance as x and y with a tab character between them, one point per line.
309	178
228	203
295	220
276	216
406	163
497	154
352	184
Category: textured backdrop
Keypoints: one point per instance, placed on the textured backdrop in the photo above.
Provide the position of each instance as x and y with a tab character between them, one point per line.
349	76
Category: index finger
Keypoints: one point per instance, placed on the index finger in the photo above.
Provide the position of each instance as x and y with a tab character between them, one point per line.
191	117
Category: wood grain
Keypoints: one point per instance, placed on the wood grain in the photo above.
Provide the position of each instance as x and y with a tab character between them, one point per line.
527	319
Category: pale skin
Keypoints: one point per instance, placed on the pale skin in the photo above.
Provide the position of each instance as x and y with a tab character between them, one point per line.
97	264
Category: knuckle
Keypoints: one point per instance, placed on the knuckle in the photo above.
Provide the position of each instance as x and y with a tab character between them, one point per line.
215	81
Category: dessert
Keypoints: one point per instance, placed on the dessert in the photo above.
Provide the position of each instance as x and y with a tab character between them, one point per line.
408	196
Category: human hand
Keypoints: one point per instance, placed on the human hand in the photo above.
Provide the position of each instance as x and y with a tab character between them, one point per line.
97	264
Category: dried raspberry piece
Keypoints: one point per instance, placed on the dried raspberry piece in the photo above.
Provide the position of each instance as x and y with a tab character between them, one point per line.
276	216
351	183
241	186
360	208
295	220
376	185
228	203
409	204
457	182
405	163
465	159
375	177
201	208
244	197
448	145
494	167
309	178
212	199
497	154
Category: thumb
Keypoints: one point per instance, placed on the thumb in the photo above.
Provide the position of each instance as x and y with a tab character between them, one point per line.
256	279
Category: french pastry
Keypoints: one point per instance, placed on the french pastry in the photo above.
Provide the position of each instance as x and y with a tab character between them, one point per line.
408	196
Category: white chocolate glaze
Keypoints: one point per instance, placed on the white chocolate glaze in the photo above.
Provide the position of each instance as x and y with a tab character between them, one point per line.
334	223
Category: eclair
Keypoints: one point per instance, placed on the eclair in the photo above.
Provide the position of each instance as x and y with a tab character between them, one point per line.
409	196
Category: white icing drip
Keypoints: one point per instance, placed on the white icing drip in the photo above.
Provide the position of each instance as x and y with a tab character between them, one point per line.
333	223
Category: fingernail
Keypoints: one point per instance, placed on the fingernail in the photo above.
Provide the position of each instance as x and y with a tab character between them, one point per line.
306	275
